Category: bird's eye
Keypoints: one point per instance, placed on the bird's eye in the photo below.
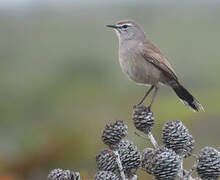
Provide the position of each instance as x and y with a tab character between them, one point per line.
125	26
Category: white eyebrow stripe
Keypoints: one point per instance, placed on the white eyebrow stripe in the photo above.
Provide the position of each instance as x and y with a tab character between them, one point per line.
128	24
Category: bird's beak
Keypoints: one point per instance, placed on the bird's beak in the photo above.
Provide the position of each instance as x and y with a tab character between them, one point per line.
112	26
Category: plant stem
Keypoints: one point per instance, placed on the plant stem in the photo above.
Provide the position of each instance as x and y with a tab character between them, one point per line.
134	177
190	172
152	139
119	165
180	174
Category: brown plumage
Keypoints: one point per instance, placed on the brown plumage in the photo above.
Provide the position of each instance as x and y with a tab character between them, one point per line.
144	63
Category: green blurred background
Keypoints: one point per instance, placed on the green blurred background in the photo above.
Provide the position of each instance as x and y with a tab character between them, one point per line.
61	81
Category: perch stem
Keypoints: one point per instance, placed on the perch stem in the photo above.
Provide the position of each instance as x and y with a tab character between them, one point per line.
180	174
119	165
139	135
190	172
152	139
134	177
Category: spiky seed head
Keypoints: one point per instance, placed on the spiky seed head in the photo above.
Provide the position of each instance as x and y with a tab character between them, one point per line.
177	137
55	174
146	160
165	164
189	146
130	157
59	174
106	161
143	118
106	175
209	164
113	133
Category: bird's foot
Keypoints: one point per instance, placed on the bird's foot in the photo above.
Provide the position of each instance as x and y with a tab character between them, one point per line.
141	104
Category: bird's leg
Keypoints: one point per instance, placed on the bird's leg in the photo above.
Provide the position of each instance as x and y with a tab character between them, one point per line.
153	97
147	93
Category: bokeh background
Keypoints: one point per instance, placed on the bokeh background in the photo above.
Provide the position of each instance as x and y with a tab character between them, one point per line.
61	82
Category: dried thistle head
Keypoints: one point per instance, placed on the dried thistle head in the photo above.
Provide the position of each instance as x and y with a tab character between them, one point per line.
209	164
146	160
106	175
165	164
113	133
177	137
106	161
59	174
130	157
143	118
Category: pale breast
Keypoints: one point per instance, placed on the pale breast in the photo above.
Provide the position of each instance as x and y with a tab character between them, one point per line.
138	69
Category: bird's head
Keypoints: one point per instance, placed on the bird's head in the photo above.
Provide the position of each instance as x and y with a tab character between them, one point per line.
128	30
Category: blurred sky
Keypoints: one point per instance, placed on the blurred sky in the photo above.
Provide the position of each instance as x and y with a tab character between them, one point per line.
13	3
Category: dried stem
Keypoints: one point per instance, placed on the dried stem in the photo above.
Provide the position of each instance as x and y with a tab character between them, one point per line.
190	178
139	135
180	174
190	172
152	139
134	177
150	136
119	165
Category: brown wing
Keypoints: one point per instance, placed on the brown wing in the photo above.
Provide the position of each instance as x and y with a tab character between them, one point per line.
153	55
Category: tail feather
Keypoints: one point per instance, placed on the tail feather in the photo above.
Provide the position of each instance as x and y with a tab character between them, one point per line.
187	98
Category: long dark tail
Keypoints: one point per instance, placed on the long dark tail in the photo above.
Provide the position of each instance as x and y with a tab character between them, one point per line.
187	98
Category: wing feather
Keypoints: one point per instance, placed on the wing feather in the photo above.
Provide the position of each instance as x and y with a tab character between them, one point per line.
153	55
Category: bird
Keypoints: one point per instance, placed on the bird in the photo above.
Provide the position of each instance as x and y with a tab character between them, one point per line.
145	64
